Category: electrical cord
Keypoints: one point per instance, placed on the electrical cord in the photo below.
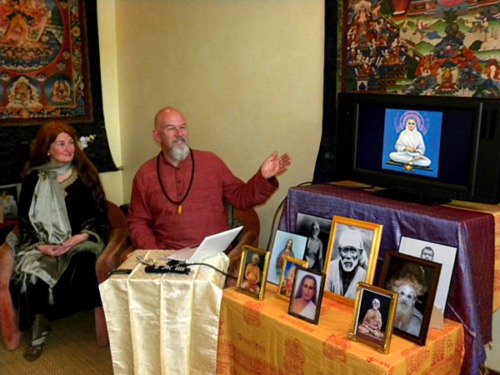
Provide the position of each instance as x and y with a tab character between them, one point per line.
278	210
209	265
280	206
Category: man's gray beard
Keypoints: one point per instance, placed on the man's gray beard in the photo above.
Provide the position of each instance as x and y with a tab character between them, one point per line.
180	153
403	317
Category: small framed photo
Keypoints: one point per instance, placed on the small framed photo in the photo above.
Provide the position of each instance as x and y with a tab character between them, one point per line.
352	257
317	231
285	244
442	254
288	277
415	280
8	200
253	272
307	294
373	316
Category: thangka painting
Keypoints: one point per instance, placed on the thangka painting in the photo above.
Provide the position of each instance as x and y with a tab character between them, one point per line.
422	47
49	71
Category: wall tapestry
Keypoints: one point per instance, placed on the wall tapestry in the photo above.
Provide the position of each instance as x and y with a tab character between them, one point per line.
422	47
49	70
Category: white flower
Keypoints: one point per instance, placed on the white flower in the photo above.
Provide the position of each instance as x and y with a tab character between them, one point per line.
84	141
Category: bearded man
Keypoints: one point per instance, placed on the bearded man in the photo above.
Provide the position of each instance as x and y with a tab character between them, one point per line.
372	321
178	197
346	271
409	289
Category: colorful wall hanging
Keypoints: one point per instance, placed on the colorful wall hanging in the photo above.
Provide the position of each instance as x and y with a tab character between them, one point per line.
49	70
422	47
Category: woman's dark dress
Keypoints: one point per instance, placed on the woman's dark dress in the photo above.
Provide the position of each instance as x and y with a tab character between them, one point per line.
77	289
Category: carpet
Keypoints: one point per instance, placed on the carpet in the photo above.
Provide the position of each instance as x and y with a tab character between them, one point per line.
70	349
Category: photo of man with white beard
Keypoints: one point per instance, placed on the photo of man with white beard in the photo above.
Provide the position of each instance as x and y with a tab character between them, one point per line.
349	266
408	318
415	280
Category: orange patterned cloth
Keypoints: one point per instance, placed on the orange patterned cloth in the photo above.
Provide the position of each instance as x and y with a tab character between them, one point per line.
259	337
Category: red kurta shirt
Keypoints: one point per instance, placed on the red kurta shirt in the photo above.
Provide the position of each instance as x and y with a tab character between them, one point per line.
154	221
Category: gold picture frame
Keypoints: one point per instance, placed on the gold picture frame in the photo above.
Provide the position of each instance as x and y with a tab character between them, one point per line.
253	272
354	234
287	278
373	318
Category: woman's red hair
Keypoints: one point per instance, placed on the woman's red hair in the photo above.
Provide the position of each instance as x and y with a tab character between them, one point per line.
85	168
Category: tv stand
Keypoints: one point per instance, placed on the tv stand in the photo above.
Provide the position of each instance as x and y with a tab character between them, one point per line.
410	197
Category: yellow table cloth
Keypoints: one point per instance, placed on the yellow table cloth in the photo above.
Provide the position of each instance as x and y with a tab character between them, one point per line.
261	338
164	323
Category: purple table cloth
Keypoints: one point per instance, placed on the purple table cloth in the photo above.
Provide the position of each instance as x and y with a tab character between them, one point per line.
470	300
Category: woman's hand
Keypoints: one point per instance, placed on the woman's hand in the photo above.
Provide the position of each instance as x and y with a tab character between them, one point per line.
50	250
58	250
75	240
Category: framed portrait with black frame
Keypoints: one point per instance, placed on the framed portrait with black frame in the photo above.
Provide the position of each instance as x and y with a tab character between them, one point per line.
416	281
253	272
307	295
439	253
373	316
352	257
317	231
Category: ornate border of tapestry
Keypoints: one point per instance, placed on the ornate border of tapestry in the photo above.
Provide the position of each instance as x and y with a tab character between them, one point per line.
45	70
428	47
49	71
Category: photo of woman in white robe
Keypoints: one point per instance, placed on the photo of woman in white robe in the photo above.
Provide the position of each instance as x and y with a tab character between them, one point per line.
410	147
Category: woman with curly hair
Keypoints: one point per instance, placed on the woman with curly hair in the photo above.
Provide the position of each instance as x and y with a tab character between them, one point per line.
62	225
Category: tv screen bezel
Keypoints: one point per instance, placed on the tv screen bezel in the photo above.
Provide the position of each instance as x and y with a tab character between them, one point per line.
348	117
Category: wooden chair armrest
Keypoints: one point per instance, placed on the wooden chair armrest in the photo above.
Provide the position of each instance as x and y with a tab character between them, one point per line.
111	256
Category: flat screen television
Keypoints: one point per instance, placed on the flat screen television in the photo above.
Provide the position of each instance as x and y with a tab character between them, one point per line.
420	148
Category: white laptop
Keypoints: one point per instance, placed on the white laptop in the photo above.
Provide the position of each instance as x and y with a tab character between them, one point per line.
210	246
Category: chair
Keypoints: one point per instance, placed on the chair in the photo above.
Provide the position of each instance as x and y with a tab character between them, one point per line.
109	259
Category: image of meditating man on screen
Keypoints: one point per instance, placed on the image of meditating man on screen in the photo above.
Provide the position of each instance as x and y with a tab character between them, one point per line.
412	141
410	146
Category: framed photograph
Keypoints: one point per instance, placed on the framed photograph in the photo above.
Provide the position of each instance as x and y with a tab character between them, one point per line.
307	294
442	254
288	277
415	280
253	270
317	231
285	244
352	257
373	316
8	200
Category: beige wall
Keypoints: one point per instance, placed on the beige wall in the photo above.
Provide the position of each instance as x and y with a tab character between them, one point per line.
112	181
246	73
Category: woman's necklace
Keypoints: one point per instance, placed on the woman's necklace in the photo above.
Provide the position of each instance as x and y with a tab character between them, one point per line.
179	203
